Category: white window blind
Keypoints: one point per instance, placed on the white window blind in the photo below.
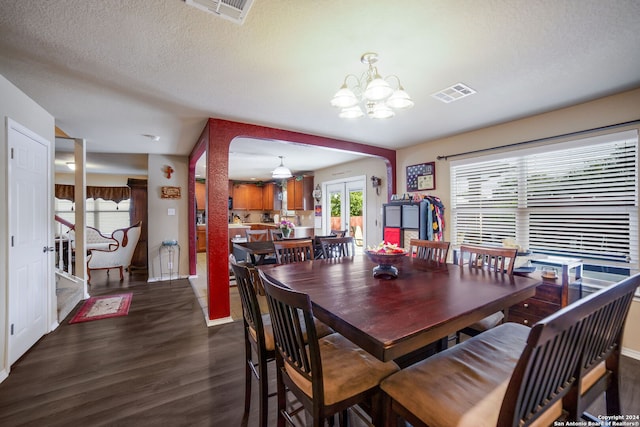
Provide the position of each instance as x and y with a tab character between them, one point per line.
576	199
105	215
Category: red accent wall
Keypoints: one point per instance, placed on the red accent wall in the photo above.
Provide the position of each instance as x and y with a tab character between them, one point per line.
215	139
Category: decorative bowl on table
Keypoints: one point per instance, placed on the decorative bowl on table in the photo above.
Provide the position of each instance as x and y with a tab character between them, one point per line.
385	256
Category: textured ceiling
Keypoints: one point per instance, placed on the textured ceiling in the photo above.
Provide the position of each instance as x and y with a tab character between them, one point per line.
111	71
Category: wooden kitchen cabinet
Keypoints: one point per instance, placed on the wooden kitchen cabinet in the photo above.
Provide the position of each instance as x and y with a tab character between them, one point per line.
271	197
201	238
247	196
201	195
300	193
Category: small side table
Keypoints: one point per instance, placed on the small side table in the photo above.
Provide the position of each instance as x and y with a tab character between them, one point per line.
168	247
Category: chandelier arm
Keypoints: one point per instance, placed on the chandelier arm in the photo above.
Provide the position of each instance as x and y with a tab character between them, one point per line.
395	77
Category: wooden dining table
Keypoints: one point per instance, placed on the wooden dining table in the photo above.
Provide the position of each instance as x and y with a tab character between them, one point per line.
390	319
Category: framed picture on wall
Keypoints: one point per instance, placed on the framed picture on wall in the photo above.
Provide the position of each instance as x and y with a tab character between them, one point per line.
170	193
421	177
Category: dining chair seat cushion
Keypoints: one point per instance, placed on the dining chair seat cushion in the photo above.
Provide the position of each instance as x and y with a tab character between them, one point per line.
463	385
346	368
598	371
488	322
321	329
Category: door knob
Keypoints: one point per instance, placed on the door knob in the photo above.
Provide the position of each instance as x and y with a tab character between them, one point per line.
48	249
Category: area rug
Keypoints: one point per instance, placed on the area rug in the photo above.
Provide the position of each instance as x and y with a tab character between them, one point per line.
104	307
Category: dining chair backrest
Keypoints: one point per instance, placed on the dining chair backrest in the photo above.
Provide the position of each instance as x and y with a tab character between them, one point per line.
327	374
294	332
489	258
429	250
337	247
257	235
276	234
290	251
339	233
578	334
258	338
598	370
246	278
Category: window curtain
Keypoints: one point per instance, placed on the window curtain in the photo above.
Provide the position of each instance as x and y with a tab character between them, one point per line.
117	194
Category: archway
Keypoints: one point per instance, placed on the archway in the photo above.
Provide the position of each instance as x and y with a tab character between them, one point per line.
215	139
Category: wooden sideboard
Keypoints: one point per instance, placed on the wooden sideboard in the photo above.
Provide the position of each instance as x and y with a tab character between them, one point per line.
551	295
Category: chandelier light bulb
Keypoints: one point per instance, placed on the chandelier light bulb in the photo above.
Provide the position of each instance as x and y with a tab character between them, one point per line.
344	98
400	100
378	96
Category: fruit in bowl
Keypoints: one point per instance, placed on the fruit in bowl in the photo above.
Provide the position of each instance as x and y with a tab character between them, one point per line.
385	255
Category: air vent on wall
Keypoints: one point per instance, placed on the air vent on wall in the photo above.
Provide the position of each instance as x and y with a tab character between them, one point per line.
233	10
453	93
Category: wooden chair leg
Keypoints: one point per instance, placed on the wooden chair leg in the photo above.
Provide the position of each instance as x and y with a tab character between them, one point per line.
121	273
247	382
282	398
264	393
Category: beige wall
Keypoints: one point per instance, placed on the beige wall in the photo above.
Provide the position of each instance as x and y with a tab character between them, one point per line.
161	225
368	167
19	107
607	111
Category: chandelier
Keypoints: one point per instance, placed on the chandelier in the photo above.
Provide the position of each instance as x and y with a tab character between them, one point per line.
371	93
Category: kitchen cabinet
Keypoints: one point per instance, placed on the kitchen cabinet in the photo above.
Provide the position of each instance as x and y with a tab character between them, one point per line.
247	196
201	195
201	238
271	197
300	193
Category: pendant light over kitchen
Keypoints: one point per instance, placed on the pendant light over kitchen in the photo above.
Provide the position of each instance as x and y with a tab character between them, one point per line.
281	172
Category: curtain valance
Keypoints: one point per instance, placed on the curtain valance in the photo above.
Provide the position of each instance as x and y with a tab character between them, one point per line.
117	194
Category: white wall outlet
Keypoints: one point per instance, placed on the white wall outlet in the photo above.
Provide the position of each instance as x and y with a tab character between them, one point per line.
171	211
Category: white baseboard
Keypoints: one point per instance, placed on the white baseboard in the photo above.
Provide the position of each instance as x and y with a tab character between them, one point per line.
634	354
216	322
3	375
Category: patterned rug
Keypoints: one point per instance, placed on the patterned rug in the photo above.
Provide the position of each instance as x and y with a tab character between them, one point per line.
104	307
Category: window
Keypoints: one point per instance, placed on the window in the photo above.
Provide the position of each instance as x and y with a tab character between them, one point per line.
576	199
105	215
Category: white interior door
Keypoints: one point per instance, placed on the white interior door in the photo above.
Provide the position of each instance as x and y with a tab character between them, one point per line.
29	231
345	208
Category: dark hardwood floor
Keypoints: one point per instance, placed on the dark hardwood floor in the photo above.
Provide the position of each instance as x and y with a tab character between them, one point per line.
158	366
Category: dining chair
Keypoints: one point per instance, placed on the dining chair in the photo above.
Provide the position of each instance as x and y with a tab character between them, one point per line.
276	234
317	246
429	250
498	260
511	375
290	251
599	368
339	233
257	235
327	375
259	339
337	247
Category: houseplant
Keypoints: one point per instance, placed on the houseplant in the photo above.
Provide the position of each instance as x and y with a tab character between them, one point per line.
286	227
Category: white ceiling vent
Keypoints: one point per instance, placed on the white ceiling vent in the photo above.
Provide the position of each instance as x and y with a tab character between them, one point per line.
453	93
233	10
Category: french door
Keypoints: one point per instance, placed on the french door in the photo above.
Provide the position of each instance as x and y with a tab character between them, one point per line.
345	208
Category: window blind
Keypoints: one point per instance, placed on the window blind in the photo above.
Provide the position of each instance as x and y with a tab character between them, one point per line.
578	198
